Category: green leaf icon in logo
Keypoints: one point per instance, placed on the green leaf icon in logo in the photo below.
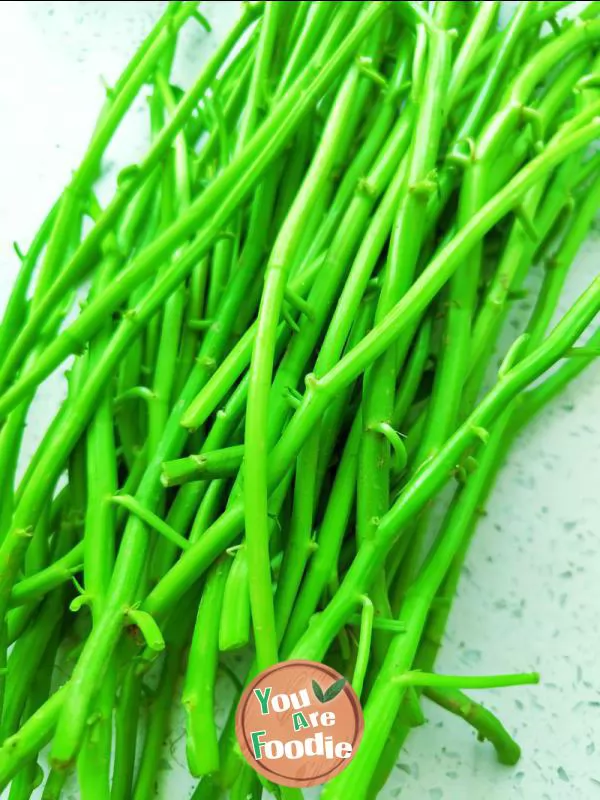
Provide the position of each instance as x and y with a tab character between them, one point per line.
318	692
334	690
329	694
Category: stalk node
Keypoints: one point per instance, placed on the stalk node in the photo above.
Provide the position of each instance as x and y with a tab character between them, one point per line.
481	433
395	440
411	709
471	464
131	316
78	347
552	263
208	363
536	120
426	187
462	159
128	175
312	382
367	188
591	81
460	474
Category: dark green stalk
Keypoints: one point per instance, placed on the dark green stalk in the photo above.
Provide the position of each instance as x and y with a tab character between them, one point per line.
160	709
328	541
127	712
16	311
535	399
235	625
257	413
556	269
339	416
12	432
299	545
186	505
463	65
412	375
55	783
118	102
499	62
30	777
29	650
17	621
373	494
99	548
224	251
176	186
202	741
18	750
516	259
374	147
306	44
24	661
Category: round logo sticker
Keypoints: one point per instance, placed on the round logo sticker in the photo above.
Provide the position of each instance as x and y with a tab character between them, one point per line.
299	723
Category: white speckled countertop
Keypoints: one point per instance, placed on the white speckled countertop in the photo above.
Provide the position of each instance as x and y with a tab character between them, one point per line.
530	595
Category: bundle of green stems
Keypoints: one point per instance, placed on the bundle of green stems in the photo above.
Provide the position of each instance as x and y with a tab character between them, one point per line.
283	364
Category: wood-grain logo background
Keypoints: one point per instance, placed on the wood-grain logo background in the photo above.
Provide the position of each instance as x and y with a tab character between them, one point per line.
299	723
